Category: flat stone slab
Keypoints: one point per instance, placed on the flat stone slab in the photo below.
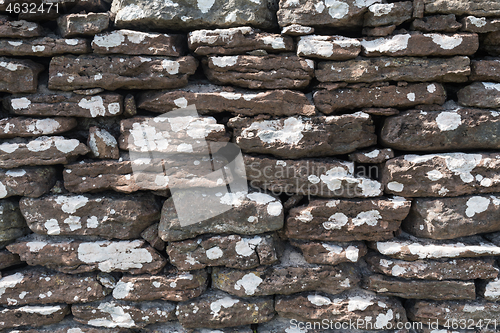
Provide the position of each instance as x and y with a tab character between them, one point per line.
437	23
485	70
139	43
418	130
186	15
130	314
447	174
237	41
489	43
463	7
77	256
234	251
120	72
217	309
266	210
8	259
456	269
19	76
390	96
44	150
41	286
448	218
28	127
374	156
65	105
330	253
87	24
328	47
68	325
350	305
31	182
108	216
150	234
480	24
418	289
480	95
410	69
347	220
212	99
43	46
176	327
260	72
12	223
18	29
297	30
319	177
421	45
32	315
383	14
297	137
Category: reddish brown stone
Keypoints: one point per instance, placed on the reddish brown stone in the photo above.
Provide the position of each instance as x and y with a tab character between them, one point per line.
43	47
8	259
379	31
328	47
484	70
150	234
26	127
480	24
388	14
297	30
28	182
19	76
463	7
82	24
441	23
490	43
32	315
330	253
68	325
18	29
374	156
481	94
102	144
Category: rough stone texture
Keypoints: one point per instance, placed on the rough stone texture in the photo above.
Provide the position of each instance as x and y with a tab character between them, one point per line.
41	286
350	305
328	47
490	43
19	76
237	41
480	94
435	290
480	24
485	70
297	30
102	144
456	269
18	29
32	315
319	177
347	220
461	7
448	174
28	182
374	156
441	23
297	137
176	327
43	47
442	130
212	99
134	72
171	285
82	24
330	253
65	105
108	216
8	259
26	127
337	100
230	251
111	313
417	44
379	31
150	234
409	69
490	290
68	325
267	212
137	43
260	72
388	14
12	223
216	309
77	256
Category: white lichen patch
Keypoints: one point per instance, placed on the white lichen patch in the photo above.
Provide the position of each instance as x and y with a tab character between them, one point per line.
70	204
20	103
384	45
225	302
224	61
288	131
122	289
337	9
10	281
352	253
477	21
250	282
359	303
369	218
476	205
319	300
492	290
246	246
336	221
448	121
395	186
381	9
446	42
117	317
214	253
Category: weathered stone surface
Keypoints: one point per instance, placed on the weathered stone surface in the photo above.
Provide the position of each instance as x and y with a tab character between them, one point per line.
260	72
490	290
111	313
335	101
150	234
65	105
19	76
328	47
68	325
407	247
417	44
18	29
381	111
77	256
350	305
441	23
448	174
485	70
388	14
409	69
317	13
190	15
111	73
291	275
347	220
176	327
266	210
12	223
108	216
41	286
137	43
330	253
26	127
297	30
297	137
436	290
480	94
490	43
379	31
480	24
216	309
463	7
448	218
456	269
28	182
32	315
374	156
102	144
82	24
8	259
237	41
318	177
212	99
233	251
43	47
171	285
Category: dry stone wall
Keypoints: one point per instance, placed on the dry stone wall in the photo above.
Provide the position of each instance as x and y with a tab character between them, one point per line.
370	137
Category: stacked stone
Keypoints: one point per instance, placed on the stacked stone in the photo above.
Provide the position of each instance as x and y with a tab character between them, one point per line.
314	93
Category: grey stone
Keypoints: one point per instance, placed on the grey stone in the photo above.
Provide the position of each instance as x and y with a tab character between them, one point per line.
43	46
441	23
328	47
27	127
28	182
480	24
19	76
463	7
330	253
12	223
32	315
388	14
82	24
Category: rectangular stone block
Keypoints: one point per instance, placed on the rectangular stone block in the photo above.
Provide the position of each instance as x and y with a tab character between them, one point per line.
463	7
485	70
18	29
480	24
32	315
19	76
328	47
27	182
29	127
43	47
384	14
330	253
